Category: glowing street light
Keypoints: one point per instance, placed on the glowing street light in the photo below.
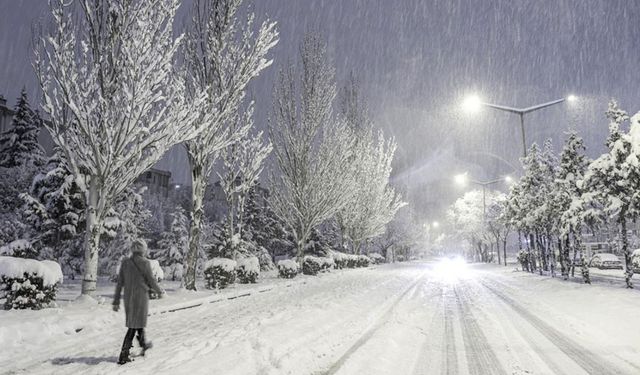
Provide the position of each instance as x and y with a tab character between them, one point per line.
460	179
508	180
473	103
435	224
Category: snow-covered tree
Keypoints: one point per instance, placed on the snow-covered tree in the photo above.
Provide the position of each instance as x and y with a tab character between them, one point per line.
173	245
496	226
313	179
613	179
374	203
243	162
115	100
513	216
468	217
223	55
19	144
567	199
54	208
125	224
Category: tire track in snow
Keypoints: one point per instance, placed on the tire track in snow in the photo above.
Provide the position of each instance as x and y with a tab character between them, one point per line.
449	342
589	361
481	359
366	336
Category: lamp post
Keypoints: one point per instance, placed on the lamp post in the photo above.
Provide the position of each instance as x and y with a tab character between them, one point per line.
474	103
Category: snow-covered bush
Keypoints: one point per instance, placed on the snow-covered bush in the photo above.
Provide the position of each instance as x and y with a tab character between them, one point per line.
376	258
19	248
219	272
311	265
248	270
326	263
156	270
340	259
362	261
288	268
28	283
523	259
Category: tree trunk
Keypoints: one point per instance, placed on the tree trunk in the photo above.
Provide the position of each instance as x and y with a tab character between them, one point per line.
575	254
198	181
504	250
583	262
92	239
498	249
628	273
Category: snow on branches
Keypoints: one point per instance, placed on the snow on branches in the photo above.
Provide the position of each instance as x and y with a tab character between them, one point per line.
115	99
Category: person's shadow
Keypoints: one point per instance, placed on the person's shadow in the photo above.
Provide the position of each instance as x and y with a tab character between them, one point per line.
61	361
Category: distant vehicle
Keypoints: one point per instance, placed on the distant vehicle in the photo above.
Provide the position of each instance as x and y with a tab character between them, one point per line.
605	261
635	260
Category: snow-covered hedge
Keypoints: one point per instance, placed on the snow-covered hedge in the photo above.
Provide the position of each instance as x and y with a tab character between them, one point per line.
248	270
28	283
326	264
376	258
219	273
341	260
288	268
362	261
311	265
19	248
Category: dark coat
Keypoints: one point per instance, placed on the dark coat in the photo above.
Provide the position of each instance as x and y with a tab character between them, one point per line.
136	282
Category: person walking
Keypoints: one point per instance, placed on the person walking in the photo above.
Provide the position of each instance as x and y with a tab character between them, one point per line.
137	280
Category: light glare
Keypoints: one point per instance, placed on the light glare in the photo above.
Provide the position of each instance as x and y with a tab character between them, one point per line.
472	104
572	98
461	179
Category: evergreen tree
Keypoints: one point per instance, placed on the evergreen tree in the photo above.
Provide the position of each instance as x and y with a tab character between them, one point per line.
613	179
573	164
54	210
19	144
173	245
124	223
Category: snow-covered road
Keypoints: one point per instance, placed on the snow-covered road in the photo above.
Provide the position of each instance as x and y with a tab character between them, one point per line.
395	319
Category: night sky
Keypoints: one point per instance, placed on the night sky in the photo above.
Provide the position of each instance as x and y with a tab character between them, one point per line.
416	60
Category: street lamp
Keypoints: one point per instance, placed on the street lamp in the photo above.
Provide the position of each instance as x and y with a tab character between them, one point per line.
473	103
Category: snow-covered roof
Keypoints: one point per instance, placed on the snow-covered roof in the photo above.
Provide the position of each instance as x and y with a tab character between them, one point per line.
48	270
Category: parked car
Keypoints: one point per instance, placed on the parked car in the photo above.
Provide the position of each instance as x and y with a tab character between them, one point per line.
605	261
635	260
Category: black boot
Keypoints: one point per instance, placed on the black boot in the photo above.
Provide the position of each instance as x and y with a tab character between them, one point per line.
143	343
124	357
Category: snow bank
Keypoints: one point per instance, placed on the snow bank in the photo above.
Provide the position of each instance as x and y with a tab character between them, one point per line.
48	270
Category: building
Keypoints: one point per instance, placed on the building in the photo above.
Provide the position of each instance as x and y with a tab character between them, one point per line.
157	182
6	115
